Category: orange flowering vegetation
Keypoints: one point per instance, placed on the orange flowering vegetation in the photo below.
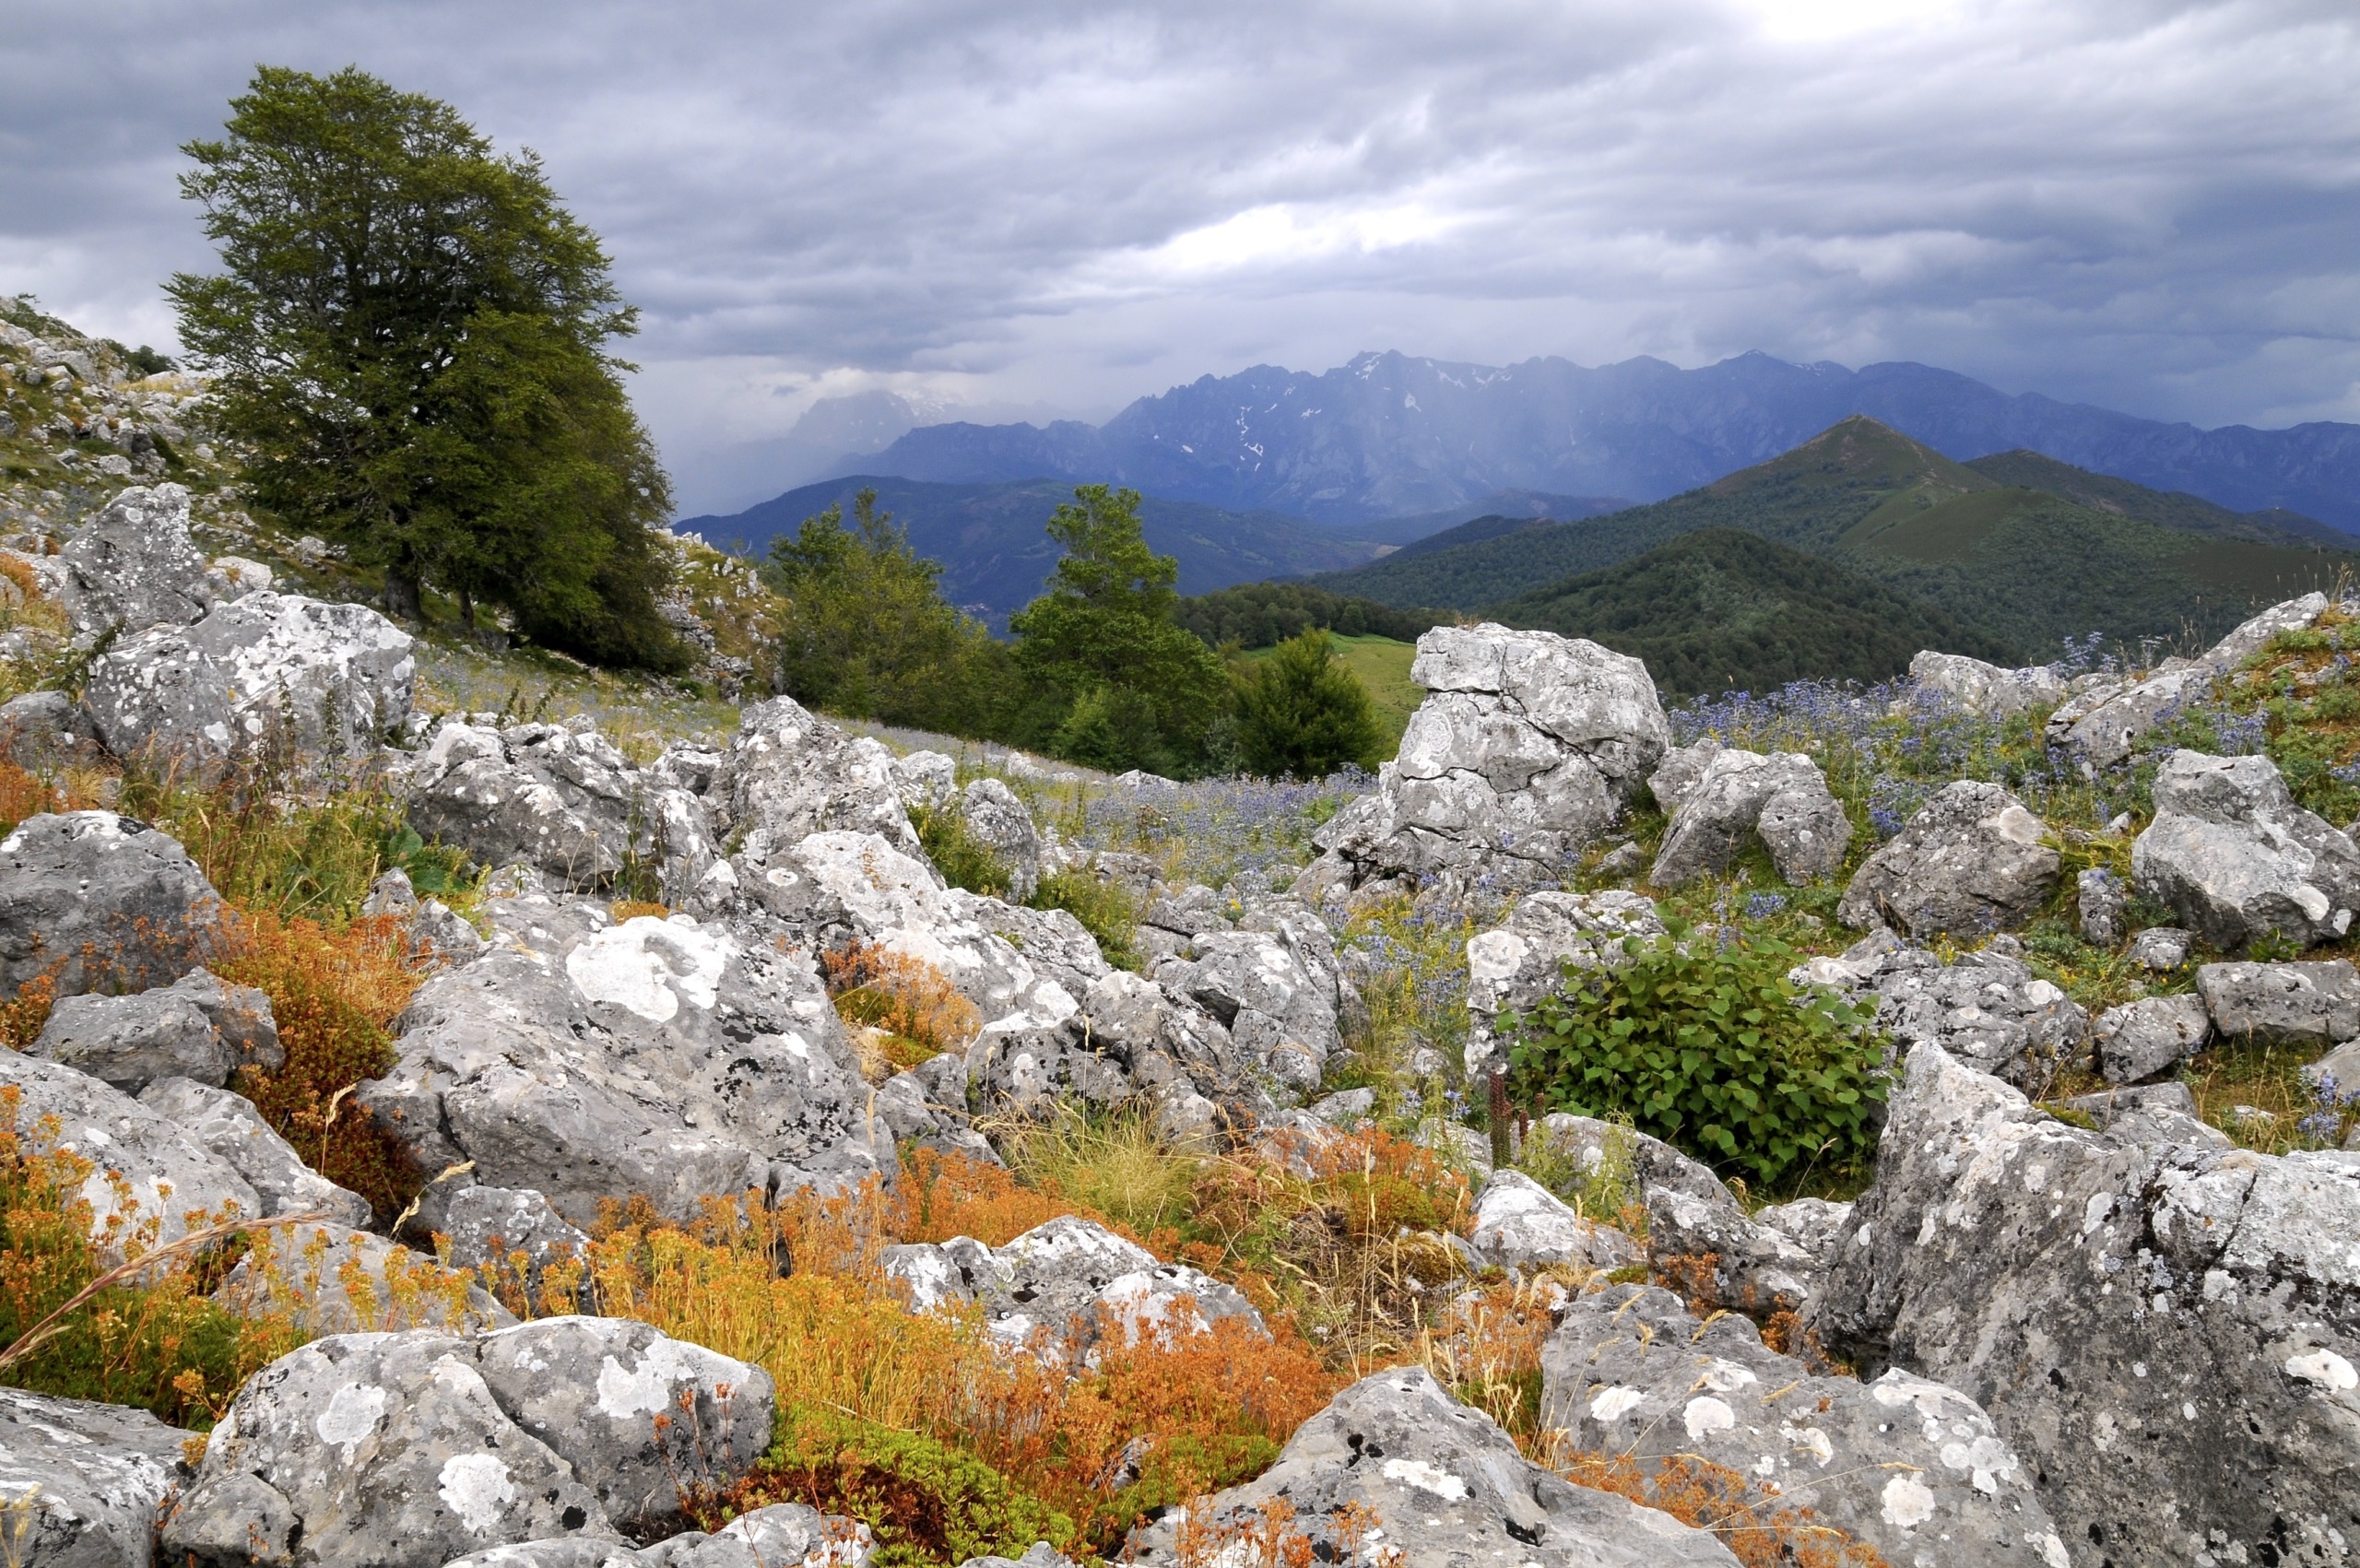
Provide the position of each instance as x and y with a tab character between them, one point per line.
1759	1530
915	1011
22	1015
1486	1349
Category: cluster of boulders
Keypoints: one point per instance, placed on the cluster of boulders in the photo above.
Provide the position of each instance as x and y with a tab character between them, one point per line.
58	388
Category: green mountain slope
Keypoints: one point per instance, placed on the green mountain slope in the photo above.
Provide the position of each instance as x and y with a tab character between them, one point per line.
2172	509
2021	564
1720	609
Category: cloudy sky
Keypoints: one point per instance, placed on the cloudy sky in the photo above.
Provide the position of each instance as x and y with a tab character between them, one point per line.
1028	207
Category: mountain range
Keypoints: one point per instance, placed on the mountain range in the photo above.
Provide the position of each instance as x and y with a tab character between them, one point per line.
1390	435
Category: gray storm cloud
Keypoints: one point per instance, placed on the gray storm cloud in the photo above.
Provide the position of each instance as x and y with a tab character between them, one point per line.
1024	205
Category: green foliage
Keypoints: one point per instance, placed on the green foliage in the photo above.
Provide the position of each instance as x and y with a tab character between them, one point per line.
1263	615
930	1505
1721	610
408	335
964	861
869	634
1112	681
1713	1049
1301	714
1104	910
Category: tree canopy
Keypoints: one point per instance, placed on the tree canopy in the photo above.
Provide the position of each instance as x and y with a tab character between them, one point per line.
1301	714
408	334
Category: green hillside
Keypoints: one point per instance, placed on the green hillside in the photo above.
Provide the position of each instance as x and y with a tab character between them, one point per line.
1262	614
1720	608
1996	550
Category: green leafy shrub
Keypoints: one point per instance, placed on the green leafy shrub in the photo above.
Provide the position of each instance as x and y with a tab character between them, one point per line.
1713	1049
928	1502
1104	910
963	859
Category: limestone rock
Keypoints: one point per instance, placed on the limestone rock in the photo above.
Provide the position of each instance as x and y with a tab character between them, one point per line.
2316	1005
2232	853
2153	1113
45	732
490	1228
196	1027
2251	637
1912	1468
790	775
132	566
1681	770
2103	725
998	820
1971	862
1445	1485
1520	1224
229	1126
1275	991
310	1273
2162	948
1625	1158
91	900
1780	800
1512	966
1725	1259
1986	689
2149	1037
2104	909
2167	1334
83	1481
1986	1008
925	778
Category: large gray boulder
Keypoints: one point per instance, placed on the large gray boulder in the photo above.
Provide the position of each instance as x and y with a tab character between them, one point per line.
561	800
1987	689
1445	1485
325	1278
587	1059
2314	1005
1513	966
511	1237
229	1127
1780	801
45	732
197	1027
1519	1224
1985	1007
1912	1468
789	775
2232	853
2167	1335
2103	725
82	1483
1724	1257
2149	1037
998	820
1526	746
167	1176
89	899
265	673
1275	989
131	567
1972	861
2255	633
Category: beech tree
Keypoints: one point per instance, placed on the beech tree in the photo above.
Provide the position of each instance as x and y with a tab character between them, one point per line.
409	337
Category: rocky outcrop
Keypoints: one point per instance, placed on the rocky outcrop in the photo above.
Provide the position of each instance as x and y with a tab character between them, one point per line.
410	1450
998	819
229	1127
91	900
46	732
1986	689
2104	724
132	566
512	1236
1519	1224
2103	908
269	672
1442	1481
196	1027
2235	858
1524	751
82	1481
1914	1469
330	1278
2167	1335
1780	801
788	775
1725	1259
1972	861
588	1059
1273	985
1512	966
1985	1007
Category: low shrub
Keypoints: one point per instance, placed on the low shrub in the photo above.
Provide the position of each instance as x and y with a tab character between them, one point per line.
963	859
1104	910
1709	1047
921	1012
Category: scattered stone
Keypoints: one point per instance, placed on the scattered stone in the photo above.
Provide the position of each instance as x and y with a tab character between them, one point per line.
1520	1224
789	775
2154	1113
1722	1258
2164	1334
1781	799
1971	862
2104	906
514	1236
82	1483
231	1128
1510	967
2149	1037
91	900
269	672
2162	948
1985	689
309	1273
2103	725
925	778
196	1028
1986	1008
2316	1004
1445	1484
2254	634
46	732
1681	770
2235	858
997	820
131	567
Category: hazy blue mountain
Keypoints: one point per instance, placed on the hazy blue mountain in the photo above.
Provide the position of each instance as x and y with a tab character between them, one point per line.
1388	435
994	555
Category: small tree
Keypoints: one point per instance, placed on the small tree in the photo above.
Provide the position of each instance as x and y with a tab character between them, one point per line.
1107	667
1301	714
869	633
407	335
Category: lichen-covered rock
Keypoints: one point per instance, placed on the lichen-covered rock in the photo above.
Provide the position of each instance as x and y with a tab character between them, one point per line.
2254	634
587	1059
2150	1036
1623	1158
998	820
1523	752
2167	1335
263	672
196	1028
132	566
790	775
2103	906
2103	725
1972	861
2235	858
1986	1008
1781	799
46	732
2149	1112
1680	772
1520	1224
1914	1469
1515	964
785	1535
1445	1485
82	1483
1274	990
1717	1252
1987	689
592	1389
2314	1005
166	1175
228	1126
2161	948
89	899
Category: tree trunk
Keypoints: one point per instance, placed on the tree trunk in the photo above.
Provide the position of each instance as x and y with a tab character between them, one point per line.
401	595
467	609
